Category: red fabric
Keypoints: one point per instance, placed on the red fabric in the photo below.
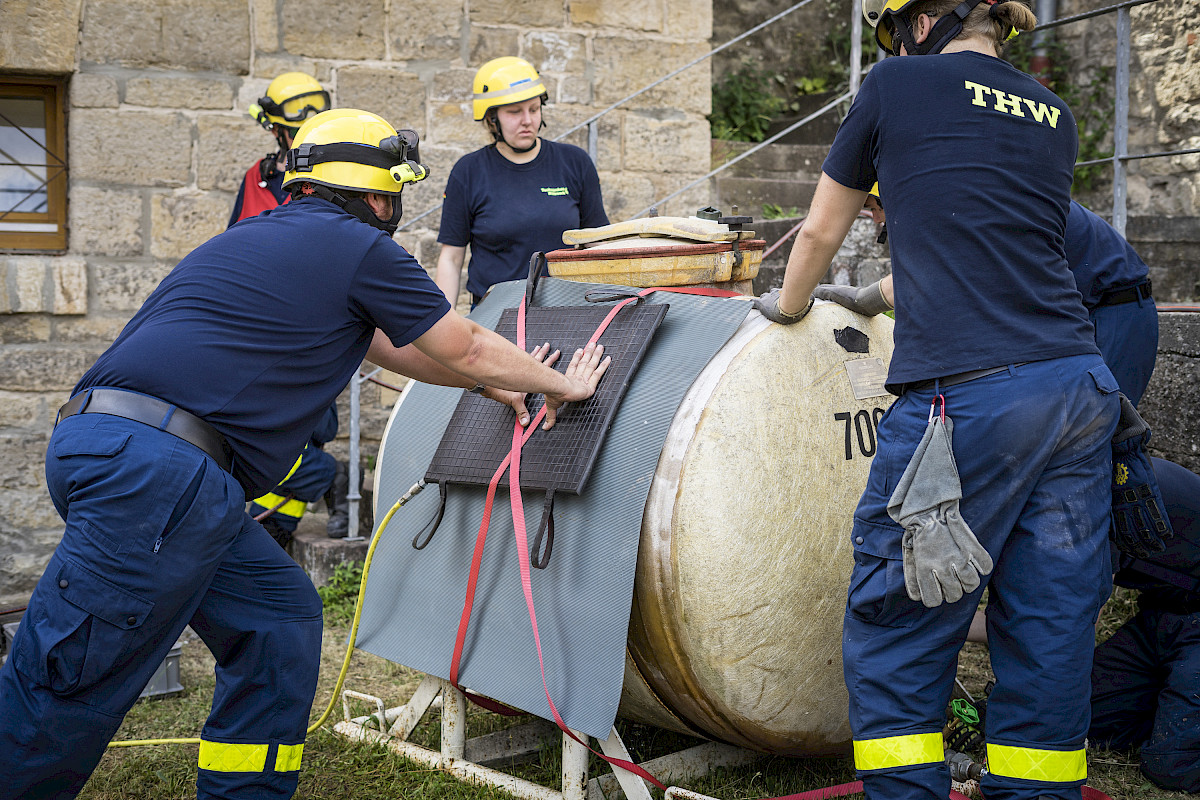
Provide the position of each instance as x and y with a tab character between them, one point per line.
256	197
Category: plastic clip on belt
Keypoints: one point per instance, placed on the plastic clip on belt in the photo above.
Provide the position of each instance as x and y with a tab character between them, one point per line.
513	460
155	413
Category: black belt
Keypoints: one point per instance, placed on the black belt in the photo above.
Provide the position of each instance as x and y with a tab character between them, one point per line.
1127	295
155	413
956	378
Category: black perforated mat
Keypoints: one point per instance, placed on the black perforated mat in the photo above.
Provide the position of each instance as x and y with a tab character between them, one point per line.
479	435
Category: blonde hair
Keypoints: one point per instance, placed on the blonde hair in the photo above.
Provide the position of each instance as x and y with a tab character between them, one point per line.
992	22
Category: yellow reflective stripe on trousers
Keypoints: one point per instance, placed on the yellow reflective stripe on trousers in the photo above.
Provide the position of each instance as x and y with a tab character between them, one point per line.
292	508
1050	766
898	751
288	757
222	757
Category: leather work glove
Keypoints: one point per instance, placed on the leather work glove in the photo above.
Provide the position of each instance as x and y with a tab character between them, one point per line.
942	558
1139	526
868	301
767	304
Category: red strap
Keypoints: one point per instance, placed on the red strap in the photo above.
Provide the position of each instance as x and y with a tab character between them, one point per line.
256	196
513	461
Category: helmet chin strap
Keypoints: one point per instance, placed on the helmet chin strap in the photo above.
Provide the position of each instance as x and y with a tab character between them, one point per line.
941	34
498	135
357	207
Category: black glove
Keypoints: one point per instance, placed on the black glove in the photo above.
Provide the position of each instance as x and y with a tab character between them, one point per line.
1139	525
868	301
768	305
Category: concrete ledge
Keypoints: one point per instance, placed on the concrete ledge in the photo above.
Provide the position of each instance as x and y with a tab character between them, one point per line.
319	555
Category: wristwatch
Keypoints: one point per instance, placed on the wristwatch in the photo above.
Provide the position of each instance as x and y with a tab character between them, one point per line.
478	388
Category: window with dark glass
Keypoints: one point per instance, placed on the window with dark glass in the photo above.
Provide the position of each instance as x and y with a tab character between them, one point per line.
33	165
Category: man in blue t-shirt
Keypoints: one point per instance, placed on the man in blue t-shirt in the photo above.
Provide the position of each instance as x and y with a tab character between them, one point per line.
516	196
202	401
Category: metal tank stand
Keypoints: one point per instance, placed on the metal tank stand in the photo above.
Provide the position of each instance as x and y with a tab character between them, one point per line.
470	760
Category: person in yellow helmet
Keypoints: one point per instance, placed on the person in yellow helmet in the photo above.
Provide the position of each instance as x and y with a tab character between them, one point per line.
202	401
290	99
994	463
518	194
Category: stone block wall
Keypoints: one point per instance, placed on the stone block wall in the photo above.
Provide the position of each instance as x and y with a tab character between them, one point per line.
1164	115
159	139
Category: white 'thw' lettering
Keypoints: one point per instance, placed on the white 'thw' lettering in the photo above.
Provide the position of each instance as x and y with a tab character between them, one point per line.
1011	104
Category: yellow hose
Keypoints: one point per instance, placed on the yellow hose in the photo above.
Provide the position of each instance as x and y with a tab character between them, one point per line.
362	590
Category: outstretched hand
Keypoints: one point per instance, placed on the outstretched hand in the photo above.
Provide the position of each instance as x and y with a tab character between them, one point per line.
516	400
583	375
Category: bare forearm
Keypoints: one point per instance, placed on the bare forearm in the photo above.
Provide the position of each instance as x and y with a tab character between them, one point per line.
449	271
412	363
809	260
494	361
830	216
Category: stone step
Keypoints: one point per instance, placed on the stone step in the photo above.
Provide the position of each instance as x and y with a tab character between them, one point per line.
319	555
779	161
750	194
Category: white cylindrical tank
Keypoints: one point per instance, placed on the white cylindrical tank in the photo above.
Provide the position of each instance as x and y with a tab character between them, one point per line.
745	551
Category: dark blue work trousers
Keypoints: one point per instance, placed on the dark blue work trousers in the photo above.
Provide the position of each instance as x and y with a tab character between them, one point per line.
1146	693
1033	454
1127	335
156	537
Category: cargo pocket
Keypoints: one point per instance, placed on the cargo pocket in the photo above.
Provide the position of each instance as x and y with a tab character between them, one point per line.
877	595
92	442
89	625
1104	380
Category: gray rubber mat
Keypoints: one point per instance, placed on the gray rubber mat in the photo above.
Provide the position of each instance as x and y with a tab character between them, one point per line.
414	598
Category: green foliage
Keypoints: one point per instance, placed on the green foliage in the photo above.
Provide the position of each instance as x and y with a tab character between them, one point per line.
773	211
1089	98
340	594
743	105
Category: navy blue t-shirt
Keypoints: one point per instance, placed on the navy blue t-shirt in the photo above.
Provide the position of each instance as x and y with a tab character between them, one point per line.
261	327
506	212
974	159
1099	256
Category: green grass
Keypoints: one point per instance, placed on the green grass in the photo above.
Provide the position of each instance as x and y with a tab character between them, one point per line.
334	767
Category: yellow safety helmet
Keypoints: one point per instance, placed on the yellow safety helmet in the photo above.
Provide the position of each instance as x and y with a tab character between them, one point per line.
893	26
290	99
357	151
502	81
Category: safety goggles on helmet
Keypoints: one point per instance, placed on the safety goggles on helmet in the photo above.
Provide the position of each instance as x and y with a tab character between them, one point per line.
295	109
396	154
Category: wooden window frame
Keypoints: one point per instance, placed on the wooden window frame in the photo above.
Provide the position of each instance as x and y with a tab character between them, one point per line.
52	91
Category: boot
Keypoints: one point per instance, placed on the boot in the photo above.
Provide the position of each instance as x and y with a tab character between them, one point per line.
338	504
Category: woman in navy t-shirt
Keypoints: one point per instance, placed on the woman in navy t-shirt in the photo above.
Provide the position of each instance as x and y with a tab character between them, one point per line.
975	159
518	194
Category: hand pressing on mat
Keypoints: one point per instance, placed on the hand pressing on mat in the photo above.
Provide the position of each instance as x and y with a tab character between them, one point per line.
516	400
583	374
